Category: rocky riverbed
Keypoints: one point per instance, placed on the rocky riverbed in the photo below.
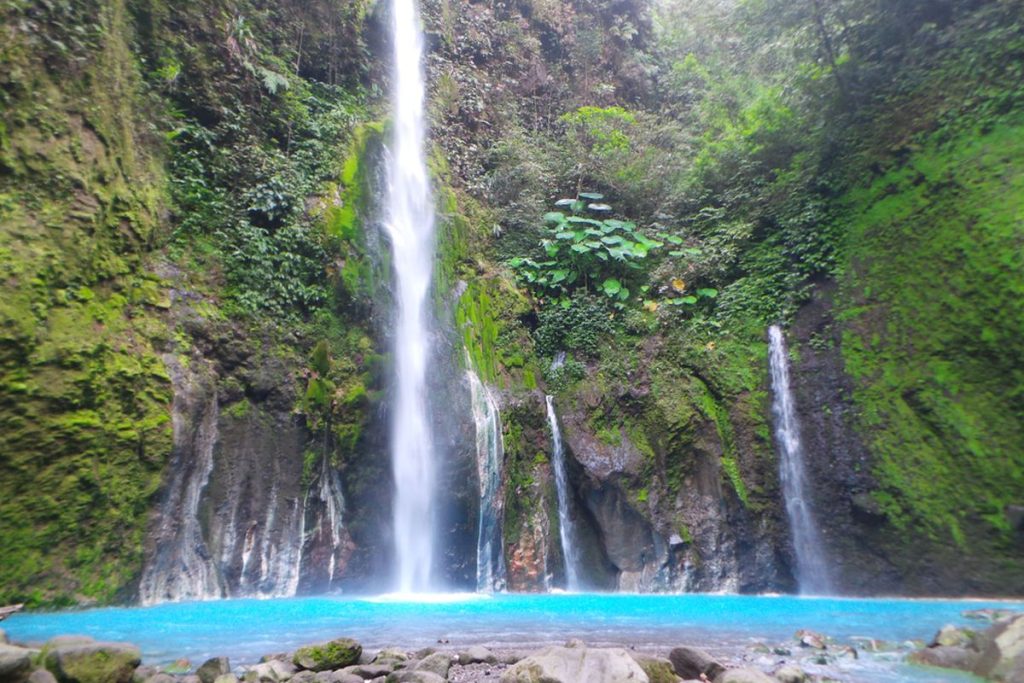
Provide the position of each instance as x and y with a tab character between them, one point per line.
994	651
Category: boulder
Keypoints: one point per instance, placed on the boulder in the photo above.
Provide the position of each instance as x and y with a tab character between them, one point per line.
209	670
437	663
64	641
227	678
946	657
691	662
951	636
92	662
304	676
15	663
576	664
190	678
1002	651
143	672
477	654
658	670
334	654
41	676
744	675
790	673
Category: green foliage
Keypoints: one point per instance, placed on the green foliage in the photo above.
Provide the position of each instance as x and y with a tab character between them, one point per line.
579	327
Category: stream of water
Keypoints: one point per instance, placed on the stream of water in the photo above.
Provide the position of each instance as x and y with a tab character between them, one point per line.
565	527
410	226
811	563
490	449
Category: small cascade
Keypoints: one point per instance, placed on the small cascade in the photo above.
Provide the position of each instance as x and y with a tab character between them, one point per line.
565	528
410	227
812	568
490	450
181	568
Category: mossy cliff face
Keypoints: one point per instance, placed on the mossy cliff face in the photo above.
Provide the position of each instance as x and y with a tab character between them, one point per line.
84	399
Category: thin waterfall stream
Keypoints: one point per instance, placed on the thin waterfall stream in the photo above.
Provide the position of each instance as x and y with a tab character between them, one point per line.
490	449
410	226
811	565
565	528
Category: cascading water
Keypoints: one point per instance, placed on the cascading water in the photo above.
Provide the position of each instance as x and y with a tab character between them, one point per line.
410	226
811	566
490	448
565	528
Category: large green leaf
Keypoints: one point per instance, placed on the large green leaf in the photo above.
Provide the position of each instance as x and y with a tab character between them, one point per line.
611	286
554	217
593	196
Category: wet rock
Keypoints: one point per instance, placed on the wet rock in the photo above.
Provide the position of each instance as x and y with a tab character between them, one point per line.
209	670
951	636
41	676
1002	651
575	664
15	663
811	639
334	654
946	657
477	655
393	656
790	673
93	662
367	671
744	675
989	614
691	662
658	670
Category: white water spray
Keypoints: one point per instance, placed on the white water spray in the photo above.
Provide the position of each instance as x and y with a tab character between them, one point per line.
565	528
410	225
811	565
490	448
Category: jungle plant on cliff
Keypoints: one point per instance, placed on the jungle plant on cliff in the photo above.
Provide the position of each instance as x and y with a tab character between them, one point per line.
605	256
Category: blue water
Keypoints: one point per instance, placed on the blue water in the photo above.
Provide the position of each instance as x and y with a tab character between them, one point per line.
247	629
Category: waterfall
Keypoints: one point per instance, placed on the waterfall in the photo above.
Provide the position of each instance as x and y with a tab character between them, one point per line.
410	226
811	564
565	529
490	449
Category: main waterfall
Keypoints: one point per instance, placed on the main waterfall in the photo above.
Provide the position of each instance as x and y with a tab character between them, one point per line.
410	226
811	566
565	528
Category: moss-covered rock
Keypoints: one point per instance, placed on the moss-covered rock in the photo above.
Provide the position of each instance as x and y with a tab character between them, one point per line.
334	654
93	662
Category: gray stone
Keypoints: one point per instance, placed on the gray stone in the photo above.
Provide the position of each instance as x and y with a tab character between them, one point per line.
93	662
226	678
790	673
42	676
209	670
161	677
348	678
414	677
576	664
143	672
477	654
270	672
946	657
691	662
15	663
67	640
1002	651
437	663
811	639
368	671
744	675
334	654
304	677
191	678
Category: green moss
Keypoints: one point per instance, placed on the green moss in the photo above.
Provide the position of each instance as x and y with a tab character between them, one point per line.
933	311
